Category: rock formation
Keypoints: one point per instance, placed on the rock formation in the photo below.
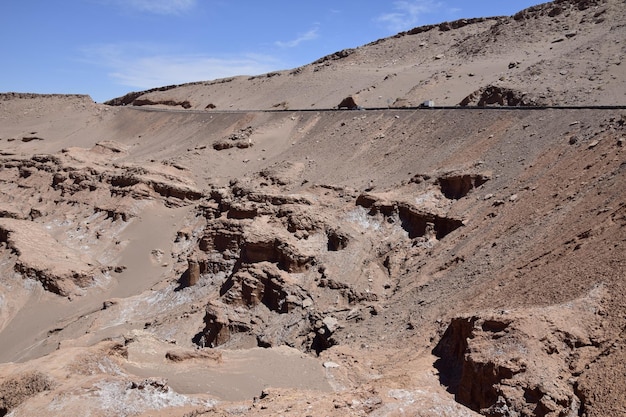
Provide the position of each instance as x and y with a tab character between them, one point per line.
193	272
499	96
435	262
348	103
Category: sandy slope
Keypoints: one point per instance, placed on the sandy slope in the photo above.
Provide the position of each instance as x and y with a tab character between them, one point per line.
392	262
567	53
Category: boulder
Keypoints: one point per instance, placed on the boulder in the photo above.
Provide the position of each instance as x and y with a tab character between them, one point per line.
499	96
348	103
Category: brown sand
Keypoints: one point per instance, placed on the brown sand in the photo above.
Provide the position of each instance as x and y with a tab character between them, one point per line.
381	262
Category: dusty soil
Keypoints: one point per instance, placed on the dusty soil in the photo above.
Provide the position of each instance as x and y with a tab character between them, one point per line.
165	258
567	52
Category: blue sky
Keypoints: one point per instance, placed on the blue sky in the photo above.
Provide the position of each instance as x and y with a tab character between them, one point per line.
107	48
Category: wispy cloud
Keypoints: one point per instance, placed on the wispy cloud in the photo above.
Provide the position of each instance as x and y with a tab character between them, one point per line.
162	7
407	14
141	66
158	71
307	36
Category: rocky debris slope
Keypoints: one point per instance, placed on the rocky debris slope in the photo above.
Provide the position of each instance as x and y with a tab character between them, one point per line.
558	53
62	270
499	96
287	265
499	226
524	362
65	212
428	262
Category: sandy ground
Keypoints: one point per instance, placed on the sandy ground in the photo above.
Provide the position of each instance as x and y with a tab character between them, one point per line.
567	54
426	262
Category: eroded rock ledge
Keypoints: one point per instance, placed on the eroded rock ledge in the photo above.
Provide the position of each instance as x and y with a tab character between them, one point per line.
59	269
283	259
523	363
44	192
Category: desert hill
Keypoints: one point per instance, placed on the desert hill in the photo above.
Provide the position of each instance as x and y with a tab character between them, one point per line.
161	256
561	53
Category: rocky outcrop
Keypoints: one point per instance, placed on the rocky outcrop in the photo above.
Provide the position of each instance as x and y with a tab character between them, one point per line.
193	272
49	189
17	95
522	363
133	96
185	104
554	8
60	269
240	139
344	53
220	324
75	170
442	27
337	240
283	173
270	246
335	248
446	26
458	24
456	186
274	250
160	179
263	284
348	103
10	212
174	189
499	96
259	294
416	221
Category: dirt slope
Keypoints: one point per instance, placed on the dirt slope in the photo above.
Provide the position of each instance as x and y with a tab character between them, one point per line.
564	53
384	262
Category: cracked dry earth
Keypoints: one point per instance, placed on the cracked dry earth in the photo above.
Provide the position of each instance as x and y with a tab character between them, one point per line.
429	273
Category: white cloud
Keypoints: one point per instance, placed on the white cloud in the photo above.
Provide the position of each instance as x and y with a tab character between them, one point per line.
308	36
407	14
163	7
156	71
142	66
